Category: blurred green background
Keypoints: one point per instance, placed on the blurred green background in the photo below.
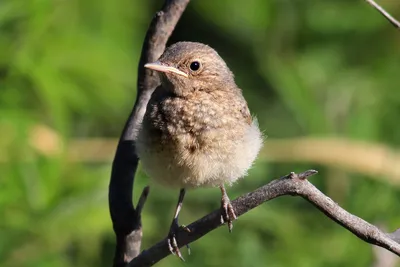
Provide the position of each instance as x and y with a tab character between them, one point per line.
322	77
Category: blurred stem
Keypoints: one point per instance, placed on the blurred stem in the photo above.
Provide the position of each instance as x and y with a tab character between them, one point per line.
375	160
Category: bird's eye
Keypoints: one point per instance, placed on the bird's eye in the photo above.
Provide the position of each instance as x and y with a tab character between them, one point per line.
195	66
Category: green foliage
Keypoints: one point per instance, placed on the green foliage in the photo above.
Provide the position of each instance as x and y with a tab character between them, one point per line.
307	68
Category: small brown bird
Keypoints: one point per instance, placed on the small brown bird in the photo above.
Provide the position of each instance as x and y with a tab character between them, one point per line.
197	130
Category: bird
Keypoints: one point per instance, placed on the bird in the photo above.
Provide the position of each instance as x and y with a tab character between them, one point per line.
197	130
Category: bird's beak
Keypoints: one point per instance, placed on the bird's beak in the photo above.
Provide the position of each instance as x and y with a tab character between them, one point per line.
158	66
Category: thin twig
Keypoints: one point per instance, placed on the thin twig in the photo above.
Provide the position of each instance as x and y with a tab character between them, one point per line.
392	20
291	184
126	219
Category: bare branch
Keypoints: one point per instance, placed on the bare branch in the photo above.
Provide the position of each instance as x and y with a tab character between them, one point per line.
126	220
291	184
392	20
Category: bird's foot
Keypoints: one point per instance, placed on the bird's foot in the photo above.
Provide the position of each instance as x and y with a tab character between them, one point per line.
172	243
227	212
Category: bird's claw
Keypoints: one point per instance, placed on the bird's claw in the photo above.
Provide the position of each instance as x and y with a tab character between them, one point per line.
172	243
227	212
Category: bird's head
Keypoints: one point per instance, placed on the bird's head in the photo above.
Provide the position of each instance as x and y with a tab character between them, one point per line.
187	67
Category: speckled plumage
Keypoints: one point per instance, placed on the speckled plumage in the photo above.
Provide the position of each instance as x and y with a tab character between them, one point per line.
197	130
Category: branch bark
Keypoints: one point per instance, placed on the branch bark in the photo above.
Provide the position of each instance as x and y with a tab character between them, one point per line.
292	185
125	218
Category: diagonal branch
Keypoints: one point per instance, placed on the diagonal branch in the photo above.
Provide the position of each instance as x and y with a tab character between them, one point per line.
293	185
392	20
126	219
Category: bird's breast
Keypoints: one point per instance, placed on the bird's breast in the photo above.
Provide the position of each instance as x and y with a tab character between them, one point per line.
192	142
196	122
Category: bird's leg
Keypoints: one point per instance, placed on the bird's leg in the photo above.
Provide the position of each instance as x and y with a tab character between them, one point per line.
227	213
172	244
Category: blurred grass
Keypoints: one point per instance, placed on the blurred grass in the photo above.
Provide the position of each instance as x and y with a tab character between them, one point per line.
321	76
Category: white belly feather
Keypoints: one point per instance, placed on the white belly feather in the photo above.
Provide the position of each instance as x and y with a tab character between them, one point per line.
174	165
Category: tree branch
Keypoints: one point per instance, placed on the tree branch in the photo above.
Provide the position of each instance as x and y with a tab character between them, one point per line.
392	20
293	185
126	219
